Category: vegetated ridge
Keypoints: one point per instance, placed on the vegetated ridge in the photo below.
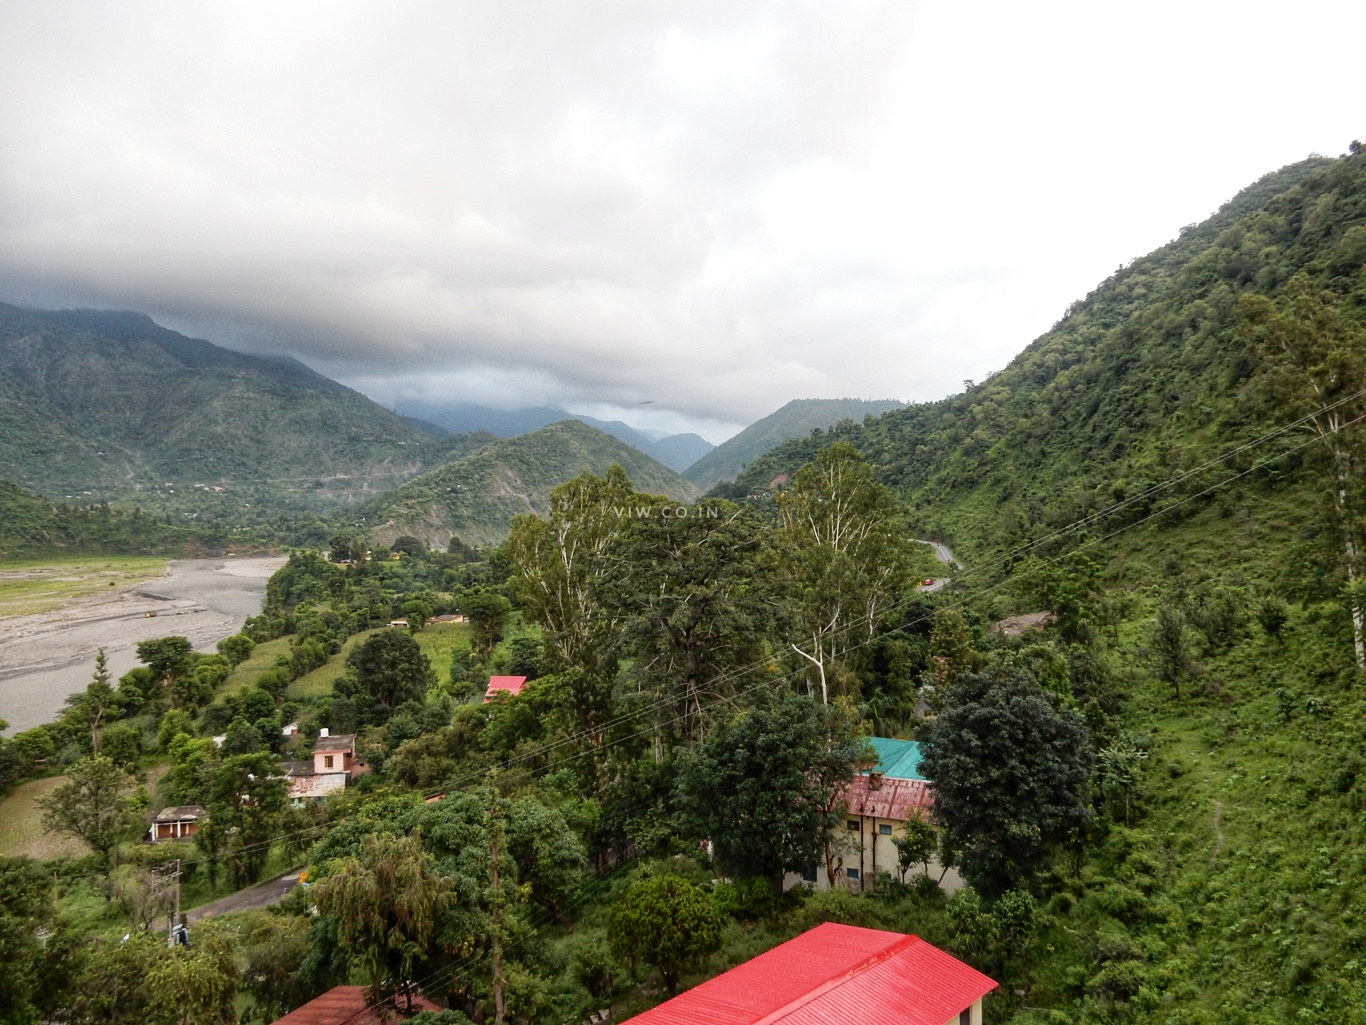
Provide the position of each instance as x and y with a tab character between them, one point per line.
107	406
797	419
1224	886
676	451
1147	377
475	497
33	526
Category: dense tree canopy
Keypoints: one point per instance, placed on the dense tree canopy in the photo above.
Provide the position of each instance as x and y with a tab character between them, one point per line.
762	785
1011	772
390	669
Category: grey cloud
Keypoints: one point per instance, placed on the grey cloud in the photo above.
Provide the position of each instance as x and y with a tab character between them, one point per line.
718	207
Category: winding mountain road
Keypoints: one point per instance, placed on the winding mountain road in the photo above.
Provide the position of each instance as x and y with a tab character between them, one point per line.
944	555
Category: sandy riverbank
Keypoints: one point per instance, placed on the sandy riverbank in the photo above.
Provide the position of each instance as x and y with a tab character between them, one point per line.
45	657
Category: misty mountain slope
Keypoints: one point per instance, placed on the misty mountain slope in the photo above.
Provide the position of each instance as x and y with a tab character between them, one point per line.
109	405
676	451
797	419
476	497
1146	378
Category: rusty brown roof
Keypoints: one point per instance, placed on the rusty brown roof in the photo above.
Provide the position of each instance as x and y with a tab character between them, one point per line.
898	799
341	742
346	1005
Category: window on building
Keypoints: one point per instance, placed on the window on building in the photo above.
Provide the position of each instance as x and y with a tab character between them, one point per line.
885	828
327	761
851	825
809	873
965	1017
852	873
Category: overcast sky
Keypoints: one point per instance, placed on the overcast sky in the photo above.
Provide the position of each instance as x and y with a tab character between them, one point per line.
678	214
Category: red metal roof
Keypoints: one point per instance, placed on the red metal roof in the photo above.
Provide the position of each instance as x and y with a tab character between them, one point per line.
897	799
833	975
345	1005
512	685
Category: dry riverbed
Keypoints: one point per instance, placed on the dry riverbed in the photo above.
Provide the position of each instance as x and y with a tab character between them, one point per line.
44	656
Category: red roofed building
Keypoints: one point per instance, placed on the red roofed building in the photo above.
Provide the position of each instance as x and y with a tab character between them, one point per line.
875	806
346	1005
509	685
836	975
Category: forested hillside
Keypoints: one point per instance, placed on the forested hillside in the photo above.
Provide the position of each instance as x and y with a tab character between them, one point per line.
98	406
30	526
477	496
1144	380
798	419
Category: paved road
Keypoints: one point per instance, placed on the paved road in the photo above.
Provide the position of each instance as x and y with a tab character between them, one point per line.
941	552
257	896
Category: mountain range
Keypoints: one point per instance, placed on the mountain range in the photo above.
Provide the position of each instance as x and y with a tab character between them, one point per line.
110	406
798	419
676	451
476	496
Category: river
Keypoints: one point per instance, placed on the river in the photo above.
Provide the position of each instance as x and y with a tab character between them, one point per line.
45	657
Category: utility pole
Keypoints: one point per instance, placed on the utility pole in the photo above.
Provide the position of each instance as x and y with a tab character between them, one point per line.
170	925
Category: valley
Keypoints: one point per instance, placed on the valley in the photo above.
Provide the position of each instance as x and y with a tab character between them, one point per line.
488	692
44	656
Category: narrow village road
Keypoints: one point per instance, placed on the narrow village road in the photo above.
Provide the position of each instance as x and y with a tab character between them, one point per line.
257	896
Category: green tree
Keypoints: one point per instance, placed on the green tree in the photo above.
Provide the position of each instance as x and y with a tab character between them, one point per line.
695	582
96	804
917	844
488	613
1168	647
391	669
848	560
1315	367
236	649
1118	765
99	696
762	785
668	923
167	657
417	613
140	982
951	649
244	796
25	907
385	904
559	563
1011	771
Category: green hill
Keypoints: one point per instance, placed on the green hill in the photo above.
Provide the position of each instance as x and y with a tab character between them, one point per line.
33	526
475	497
1142	381
1153	428
797	419
109	406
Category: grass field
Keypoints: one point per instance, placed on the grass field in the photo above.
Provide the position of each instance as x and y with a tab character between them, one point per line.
437	641
262	659
30	587
21	824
